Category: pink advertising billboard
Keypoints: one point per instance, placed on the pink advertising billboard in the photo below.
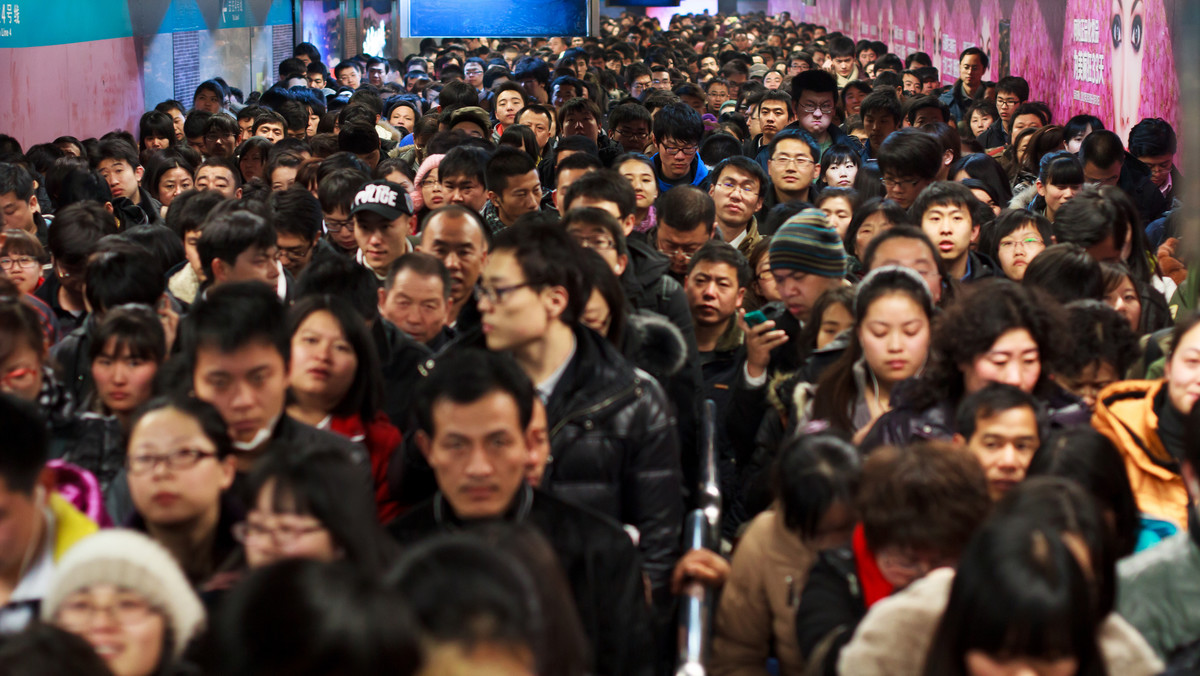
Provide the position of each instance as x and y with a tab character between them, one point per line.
1109	58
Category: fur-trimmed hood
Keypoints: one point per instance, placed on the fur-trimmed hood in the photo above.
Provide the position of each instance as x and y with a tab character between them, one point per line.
654	344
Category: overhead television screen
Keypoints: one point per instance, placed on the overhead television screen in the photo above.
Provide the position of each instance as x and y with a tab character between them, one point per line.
497	18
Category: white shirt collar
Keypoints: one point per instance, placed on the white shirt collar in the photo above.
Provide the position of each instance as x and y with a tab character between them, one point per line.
546	387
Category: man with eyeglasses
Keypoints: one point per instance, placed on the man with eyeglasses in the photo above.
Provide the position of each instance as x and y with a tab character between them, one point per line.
298	229
677	133
473	72
639	78
736	191
629	125
814	94
613	441
336	193
660	77
909	161
383	217
792	162
1011	92
972	64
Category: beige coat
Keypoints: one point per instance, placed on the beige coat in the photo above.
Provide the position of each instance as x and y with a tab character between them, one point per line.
895	636
758	604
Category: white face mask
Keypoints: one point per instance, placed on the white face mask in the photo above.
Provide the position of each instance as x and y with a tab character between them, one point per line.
260	437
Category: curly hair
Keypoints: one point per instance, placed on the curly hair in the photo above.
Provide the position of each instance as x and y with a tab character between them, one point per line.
969	326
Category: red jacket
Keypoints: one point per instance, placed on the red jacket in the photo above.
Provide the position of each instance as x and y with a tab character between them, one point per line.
381	439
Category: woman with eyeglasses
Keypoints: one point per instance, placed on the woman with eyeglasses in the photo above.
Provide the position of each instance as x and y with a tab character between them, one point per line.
308	504
21	260
179	464
125	596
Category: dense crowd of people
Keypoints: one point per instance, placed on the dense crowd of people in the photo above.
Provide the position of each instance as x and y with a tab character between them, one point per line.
399	367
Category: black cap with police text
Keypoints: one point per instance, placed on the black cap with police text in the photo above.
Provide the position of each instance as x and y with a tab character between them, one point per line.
385	198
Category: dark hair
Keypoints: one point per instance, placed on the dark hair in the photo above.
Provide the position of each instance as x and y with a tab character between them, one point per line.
327	485
715	251
297	213
1066	273
1152	137
969	326
16	179
1060	168
1102	148
908	152
748	166
422	264
1008	222
599	218
944	194
1090	459
606	185
366	390
809	476
883	101
466	376
531	67
606	282
135	328
190	209
687	208
928	495
719	146
194	123
25	436
302	616
233	315
548	257
337	189
465	591
209	419
1012	84
125	273
464	161
837	154
837	387
344	279
1097	213
984	106
284	159
796	134
679	122
160	165
521	137
155	124
21	243
993	399
1017	573
227	234
505	164
893	212
975	51
43	649
1081	123
985	168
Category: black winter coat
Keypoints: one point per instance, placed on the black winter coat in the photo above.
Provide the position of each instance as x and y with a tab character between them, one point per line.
598	559
614	448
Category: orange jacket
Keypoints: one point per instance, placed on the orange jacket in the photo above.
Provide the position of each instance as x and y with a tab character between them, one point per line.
1125	414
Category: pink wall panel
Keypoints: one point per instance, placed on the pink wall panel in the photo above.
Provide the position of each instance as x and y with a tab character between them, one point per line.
82	89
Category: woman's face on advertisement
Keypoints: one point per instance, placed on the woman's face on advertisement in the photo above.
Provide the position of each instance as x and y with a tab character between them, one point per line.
1127	35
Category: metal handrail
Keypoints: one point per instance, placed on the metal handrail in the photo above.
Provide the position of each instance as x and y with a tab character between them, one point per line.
702	529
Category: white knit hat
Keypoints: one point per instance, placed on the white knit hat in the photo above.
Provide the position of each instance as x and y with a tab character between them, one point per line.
128	559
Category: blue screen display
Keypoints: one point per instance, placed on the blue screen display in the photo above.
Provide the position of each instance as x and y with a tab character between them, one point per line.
497	18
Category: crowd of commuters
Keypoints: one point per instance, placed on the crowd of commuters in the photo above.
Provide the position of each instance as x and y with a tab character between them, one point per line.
398	367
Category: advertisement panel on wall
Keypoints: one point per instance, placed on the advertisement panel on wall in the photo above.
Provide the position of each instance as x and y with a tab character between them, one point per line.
497	18
1110	59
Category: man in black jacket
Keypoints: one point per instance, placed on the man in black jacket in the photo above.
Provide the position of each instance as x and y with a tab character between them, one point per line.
474	412
613	440
1105	162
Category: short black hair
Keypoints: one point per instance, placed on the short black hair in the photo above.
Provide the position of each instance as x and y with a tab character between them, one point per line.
135	328
679	122
944	193
746	165
1097	213
468	375
626	113
716	251
922	102
232	316
16	179
992	399
816	81
687	208
423	264
576	161
719	146
123	273
341	277
796	134
983	57
1152	137
549	256
465	161
77	230
337	189
597	217
228	233
882	101
195	122
811	473
297	213
531	67
908	152
1015	85
603	184
25	441
505	164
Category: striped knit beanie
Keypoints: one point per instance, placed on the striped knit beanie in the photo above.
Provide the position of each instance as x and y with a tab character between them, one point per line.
806	243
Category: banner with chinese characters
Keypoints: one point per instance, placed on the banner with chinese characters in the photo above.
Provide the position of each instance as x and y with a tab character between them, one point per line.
1110	58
